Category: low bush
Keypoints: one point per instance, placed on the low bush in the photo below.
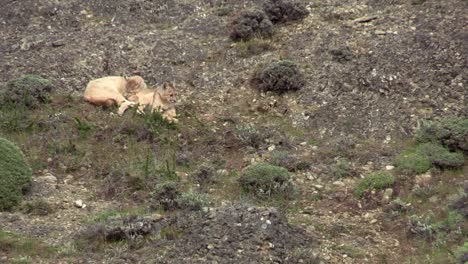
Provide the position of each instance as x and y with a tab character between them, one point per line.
279	76
249	24
192	200
166	196
451	132
265	180
412	163
280	11
27	90
441	156
374	181
462	254
15	174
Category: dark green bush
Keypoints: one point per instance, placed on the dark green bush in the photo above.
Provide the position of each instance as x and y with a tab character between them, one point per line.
283	10
279	76
249	24
265	180
377	180
423	156
441	156
412	163
451	132
27	90
15	174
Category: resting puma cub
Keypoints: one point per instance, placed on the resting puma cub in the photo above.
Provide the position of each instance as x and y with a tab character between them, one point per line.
162	100
113	90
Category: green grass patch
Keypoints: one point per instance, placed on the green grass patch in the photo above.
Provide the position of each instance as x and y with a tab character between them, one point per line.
16	246
377	181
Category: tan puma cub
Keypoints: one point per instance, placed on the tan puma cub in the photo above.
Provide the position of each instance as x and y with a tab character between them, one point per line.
162	100
113	90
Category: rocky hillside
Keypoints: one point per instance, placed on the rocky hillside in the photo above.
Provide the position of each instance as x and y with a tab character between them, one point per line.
377	74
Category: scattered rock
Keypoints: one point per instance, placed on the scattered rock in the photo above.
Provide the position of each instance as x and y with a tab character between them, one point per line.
48	178
365	19
423	180
79	204
387	195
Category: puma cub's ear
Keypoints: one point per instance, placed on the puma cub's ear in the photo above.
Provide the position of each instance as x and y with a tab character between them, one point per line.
167	85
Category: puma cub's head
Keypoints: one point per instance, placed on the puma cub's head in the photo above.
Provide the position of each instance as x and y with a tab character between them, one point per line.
135	84
168	93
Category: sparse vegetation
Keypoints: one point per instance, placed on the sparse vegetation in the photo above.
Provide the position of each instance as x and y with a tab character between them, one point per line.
17	246
278	76
15	174
265	180
254	46
249	24
280	11
341	168
192	200
165	196
37	207
250	135
374	181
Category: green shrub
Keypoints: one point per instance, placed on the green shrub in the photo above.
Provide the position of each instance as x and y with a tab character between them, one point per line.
462	253
451	132
284	10
377	180
250	135
412	163
265	180
422	157
166	196
341	169
15	174
441	156
278	76
192	200
249	24
27	90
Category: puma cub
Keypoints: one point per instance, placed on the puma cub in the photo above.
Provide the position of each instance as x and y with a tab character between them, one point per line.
114	90
162	100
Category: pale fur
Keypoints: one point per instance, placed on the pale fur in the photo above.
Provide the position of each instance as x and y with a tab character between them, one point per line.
162	100
114	90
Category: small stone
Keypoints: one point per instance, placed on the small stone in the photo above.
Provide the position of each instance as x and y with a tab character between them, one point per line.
373	221
389	167
271	148
380	32
423	180
318	186
387	195
79	204
68	178
210	247
156	217
365	19
49	160
339	183
58	43
49	178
